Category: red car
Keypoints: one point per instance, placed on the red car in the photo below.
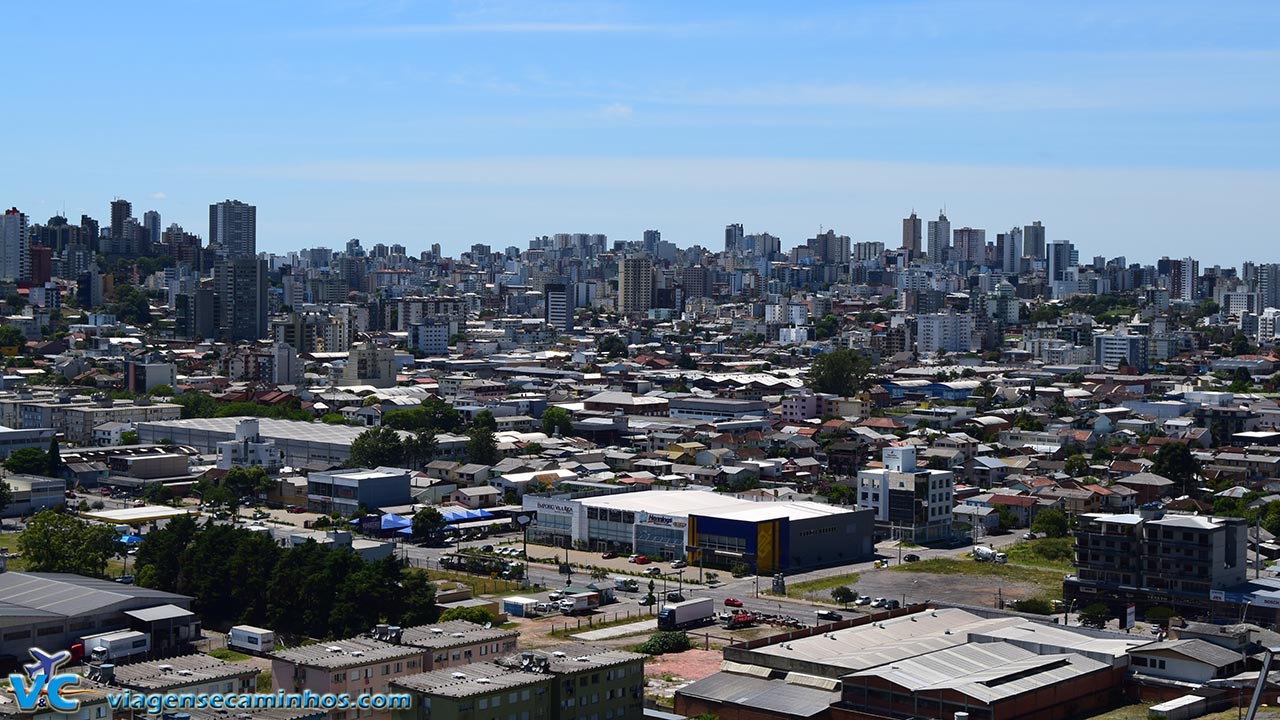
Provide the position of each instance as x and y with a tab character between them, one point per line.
732	602
608	555
641	560
297	509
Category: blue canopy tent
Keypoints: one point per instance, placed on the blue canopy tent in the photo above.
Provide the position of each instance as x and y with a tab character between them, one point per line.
130	539
391	521
459	514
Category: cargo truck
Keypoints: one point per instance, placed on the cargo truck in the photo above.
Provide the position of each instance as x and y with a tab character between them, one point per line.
115	646
686	614
251	639
579	603
626	584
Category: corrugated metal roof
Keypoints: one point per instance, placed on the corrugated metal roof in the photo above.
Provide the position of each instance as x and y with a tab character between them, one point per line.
61	594
774	696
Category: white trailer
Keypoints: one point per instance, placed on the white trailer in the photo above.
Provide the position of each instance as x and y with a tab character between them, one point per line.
251	639
116	646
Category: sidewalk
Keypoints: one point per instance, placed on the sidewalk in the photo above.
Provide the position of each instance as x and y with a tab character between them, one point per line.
635	628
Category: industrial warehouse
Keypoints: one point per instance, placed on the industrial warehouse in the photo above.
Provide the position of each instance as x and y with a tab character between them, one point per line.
706	528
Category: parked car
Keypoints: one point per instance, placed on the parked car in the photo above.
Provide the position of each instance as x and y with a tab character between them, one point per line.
70	494
641	560
1029	536
892	604
608	555
878	602
830	615
653	571
554	595
911	557
732	602
486	548
863	600
679	564
297	509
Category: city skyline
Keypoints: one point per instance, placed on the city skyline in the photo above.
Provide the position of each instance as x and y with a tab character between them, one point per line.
1121	128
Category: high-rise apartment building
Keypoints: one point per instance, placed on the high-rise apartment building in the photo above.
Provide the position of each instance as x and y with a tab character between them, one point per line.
733	238
970	245
240	285
911	235
1033	240
939	238
233	226
151	221
1009	247
559	310
1183	277
1268	283
1064	260
15	246
635	284
121	212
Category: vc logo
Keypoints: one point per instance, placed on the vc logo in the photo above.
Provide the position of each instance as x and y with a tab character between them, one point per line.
43	686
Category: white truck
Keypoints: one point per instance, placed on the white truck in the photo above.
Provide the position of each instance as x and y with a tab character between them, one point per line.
250	639
579	603
626	584
687	614
116	646
987	554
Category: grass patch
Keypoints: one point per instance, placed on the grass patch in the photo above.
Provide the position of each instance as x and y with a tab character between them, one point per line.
821	588
479	584
573	629
228	654
1049	553
1050	581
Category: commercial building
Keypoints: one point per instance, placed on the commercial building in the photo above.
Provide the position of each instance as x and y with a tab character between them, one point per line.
1151	559
141	376
706	528
716	408
11	439
564	682
55	610
249	449
15	246
345	491
29	494
1120	347
240	287
303	443
909	502
558	309
919	662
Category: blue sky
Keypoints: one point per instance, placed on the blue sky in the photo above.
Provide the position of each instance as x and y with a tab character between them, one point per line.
1141	128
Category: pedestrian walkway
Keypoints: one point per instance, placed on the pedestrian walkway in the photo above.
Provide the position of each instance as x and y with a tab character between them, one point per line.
635	628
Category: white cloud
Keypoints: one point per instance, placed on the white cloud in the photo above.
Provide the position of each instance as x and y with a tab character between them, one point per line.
617	111
158	195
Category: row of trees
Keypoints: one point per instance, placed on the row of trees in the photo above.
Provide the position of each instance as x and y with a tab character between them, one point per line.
239	576
59	543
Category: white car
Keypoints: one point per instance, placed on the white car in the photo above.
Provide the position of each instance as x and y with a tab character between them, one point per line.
679	564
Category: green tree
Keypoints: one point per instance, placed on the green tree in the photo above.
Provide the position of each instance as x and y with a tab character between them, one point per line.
420	449
686	362
1007	518
129	437
419	599
477	615
556	420
843	594
663	642
247	481
161	391
612	346
6	495
157	494
11	336
376	447
1095	615
1035	606
428	522
1175	461
1241	380
1028	423
842	372
1076	466
485	419
1240	344
55	458
482	446
27	461
1050	523
54	542
333	419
